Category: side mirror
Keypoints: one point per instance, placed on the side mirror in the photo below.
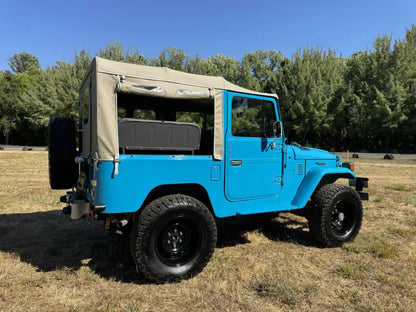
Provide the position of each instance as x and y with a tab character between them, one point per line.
277	129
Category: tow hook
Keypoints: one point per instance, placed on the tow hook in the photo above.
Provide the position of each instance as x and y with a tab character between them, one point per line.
67	210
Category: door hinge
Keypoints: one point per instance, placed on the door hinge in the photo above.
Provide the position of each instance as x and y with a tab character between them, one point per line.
278	180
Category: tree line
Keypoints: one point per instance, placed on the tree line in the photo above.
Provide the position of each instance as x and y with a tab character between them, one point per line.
365	102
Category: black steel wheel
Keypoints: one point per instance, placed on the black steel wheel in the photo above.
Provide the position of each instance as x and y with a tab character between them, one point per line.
178	241
343	219
335	215
173	239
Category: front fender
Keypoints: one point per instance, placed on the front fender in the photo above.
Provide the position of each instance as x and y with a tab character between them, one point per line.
312	179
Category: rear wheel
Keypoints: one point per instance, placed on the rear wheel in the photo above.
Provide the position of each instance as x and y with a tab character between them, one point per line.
173	239
62	152
335	215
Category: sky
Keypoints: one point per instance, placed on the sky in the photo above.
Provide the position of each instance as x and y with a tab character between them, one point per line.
55	30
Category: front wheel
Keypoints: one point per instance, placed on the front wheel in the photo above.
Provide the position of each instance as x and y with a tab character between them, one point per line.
335	215
173	239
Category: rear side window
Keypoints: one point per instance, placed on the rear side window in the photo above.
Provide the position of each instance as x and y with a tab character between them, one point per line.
147	114
252	117
85	105
205	121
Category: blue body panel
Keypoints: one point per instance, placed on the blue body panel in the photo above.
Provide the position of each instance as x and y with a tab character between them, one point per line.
272	176
311	181
140	174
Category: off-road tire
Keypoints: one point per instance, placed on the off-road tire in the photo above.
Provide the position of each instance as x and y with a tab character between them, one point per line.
62	152
173	238
335	215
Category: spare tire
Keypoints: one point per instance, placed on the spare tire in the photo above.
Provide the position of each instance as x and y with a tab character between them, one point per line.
62	152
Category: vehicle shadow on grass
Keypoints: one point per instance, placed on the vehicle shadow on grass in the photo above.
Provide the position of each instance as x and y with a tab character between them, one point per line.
283	228
50	241
289	228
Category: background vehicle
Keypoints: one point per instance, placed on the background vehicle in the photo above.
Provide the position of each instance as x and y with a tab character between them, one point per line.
162	154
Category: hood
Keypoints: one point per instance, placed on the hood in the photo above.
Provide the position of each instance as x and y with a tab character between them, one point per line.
311	153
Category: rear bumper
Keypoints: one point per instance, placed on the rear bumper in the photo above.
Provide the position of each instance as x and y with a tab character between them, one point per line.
78	206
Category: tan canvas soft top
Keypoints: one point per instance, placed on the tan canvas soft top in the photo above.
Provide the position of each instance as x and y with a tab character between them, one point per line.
107	78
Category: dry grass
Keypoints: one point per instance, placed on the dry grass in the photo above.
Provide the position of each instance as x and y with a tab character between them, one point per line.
49	263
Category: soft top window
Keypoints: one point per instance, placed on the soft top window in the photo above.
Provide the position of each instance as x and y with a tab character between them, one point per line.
199	111
144	112
85	100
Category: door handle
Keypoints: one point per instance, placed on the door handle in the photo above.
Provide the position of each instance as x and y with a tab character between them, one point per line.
236	162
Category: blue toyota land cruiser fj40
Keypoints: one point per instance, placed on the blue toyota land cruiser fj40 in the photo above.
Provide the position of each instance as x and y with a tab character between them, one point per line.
161	155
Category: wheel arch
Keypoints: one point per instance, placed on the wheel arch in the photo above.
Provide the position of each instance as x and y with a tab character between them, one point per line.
194	190
315	178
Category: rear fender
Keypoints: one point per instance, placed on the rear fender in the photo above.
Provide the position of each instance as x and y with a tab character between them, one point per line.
312	180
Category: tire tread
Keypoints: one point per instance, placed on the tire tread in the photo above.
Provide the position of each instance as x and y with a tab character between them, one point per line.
321	208
146	222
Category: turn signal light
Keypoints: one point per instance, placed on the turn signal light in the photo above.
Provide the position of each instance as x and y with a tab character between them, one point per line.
349	165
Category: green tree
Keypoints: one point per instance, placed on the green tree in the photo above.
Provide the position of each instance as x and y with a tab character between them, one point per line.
12	110
116	52
404	58
218	65
22	62
258	70
307	87
196	65
378	103
171	57
51	93
364	102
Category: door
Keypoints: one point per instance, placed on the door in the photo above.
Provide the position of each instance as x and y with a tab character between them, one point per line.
253	153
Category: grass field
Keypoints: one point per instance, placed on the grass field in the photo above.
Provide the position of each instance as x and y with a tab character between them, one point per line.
49	263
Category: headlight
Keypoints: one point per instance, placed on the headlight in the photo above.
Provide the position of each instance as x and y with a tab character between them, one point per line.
339	161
